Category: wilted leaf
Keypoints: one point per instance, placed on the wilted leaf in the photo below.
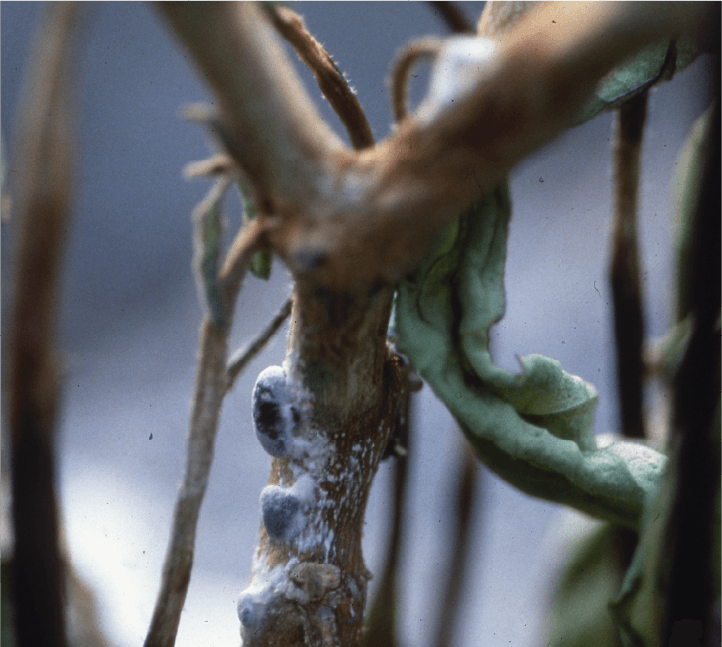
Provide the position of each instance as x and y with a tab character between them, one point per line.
533	428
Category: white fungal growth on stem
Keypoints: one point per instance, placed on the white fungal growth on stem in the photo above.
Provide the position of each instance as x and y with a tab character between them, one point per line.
293	511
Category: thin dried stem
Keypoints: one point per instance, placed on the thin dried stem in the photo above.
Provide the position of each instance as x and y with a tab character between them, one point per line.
452	16
43	168
210	388
220	164
460	551
243	357
330	79
624	270
412	53
207	401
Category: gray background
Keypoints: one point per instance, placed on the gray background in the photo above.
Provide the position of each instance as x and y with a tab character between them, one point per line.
130	321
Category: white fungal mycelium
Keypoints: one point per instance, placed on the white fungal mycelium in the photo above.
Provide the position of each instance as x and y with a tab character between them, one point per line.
293	511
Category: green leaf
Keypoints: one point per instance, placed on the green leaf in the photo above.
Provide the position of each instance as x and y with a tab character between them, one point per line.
534	428
638	74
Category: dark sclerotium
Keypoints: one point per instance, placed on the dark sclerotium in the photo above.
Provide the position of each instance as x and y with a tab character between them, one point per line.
282	516
274	417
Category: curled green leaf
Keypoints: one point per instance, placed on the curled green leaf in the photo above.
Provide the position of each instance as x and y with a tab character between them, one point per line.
534	428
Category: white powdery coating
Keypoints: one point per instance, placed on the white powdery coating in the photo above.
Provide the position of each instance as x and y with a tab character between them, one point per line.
458	68
265	585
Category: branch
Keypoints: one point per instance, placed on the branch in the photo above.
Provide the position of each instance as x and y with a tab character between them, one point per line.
281	142
461	550
691	542
210	388
330	80
44	169
412	53
241	360
452	16
366	218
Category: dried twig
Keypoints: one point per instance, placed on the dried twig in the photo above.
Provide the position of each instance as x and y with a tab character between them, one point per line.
44	167
243	357
624	270
220	164
330	79
412	53
210	388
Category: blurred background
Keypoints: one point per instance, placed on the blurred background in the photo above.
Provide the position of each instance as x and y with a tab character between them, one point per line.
130	320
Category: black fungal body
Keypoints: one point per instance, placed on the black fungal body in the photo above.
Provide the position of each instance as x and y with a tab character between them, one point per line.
281	510
274	416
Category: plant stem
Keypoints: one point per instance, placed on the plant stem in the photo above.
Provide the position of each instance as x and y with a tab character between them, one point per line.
460	550
210	388
330	80
624	270
453	17
690	612
240	361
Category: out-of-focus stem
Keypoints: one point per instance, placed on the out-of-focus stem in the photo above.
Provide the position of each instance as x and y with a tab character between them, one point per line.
460	551
624	270
689	538
44	167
